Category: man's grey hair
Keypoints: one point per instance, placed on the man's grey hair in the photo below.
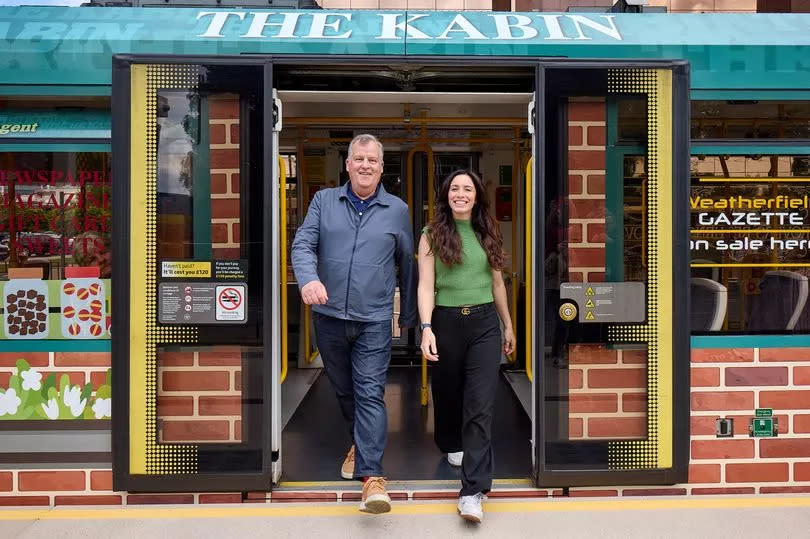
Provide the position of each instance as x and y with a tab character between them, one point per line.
364	139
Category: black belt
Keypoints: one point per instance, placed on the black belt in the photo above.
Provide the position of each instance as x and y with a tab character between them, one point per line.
467	309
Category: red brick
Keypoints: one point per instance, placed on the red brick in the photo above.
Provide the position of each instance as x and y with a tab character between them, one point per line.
220	498
220	406
575	426
98	378
175	406
702	425
224	158
596	277
223	109
81	359
585	354
596	184
88	500
237	380
101	480
51	480
196	381
801	471
151	499
593	402
722	449
587	257
722	355
219	233
596	135
634	402
801	376
237	430
9	501
758	472
580	208
785	400
229	253
224	208
801	424
290	497
586	112
6	481
654	492
175	359
216	133
704	473
720	491
784	490
533	493
575	233
604	378
575	277
784	354
790	447
617	427
235	233
574	184
756	376
234	133
35	359
575	135
219	183
575	379
596	233
593	159
221	355
441	495
723	400
179	431
592	493
5	378
235	183
705	377
634	357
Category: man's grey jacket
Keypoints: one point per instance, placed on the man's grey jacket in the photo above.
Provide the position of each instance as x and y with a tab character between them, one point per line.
355	256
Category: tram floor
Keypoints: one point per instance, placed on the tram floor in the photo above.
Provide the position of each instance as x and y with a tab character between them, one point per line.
315	440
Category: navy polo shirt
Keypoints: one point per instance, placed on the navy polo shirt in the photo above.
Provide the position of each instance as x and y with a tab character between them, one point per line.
359	204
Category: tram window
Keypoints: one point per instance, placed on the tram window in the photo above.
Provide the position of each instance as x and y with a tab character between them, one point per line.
749	243
750	119
55	211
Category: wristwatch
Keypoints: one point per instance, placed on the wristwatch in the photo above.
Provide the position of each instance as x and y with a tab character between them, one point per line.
424	325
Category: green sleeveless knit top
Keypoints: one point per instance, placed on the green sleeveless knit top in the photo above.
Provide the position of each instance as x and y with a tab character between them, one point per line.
468	283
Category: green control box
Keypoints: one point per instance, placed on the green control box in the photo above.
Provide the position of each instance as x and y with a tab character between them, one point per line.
763	424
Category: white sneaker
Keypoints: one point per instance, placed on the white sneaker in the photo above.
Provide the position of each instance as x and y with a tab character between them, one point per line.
455	458
469	507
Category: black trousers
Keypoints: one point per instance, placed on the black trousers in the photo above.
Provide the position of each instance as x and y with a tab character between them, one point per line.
464	382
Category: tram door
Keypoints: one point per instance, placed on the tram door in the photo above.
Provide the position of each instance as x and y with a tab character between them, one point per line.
197	272
611	334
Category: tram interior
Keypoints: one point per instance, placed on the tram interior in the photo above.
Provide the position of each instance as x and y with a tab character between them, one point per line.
431	120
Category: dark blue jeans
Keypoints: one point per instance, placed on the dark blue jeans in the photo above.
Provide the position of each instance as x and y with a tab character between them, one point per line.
356	357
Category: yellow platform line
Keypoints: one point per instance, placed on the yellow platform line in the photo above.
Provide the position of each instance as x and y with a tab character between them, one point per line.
403	508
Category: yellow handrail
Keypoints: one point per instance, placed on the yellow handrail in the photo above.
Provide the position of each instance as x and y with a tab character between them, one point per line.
529	255
431	203
283	203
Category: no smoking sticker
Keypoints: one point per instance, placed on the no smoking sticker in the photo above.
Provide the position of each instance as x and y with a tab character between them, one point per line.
230	303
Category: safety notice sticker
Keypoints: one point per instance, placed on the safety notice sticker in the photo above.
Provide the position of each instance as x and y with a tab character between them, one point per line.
230	303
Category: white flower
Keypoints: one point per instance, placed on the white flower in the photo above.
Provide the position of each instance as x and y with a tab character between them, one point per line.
71	400
9	402
51	409
102	408
31	380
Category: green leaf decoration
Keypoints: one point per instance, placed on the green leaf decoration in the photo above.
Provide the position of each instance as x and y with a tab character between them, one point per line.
64	383
52	394
88	412
22	365
87	391
16	384
103	392
50	382
108	381
24	412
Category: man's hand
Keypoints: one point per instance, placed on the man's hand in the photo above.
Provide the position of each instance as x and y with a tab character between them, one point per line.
314	293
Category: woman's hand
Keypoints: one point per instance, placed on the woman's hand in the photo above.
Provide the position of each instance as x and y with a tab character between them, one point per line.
508	341
428	346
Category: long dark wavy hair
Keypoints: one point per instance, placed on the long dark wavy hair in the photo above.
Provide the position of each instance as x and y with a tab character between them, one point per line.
445	241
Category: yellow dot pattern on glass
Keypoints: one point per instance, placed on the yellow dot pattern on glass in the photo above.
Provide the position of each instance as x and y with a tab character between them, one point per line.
161	459
652	452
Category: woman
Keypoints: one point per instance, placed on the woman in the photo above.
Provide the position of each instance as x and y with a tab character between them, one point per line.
462	303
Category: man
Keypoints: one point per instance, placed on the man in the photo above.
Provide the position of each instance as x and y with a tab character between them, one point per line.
344	256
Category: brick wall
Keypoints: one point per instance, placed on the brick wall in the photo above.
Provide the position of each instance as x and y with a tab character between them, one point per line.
223	129
81	367
586	188
200	394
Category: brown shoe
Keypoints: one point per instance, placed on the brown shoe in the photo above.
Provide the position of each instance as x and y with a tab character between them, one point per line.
375	499
347	470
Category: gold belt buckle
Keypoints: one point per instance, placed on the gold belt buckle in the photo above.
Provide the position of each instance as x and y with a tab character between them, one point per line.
465	311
